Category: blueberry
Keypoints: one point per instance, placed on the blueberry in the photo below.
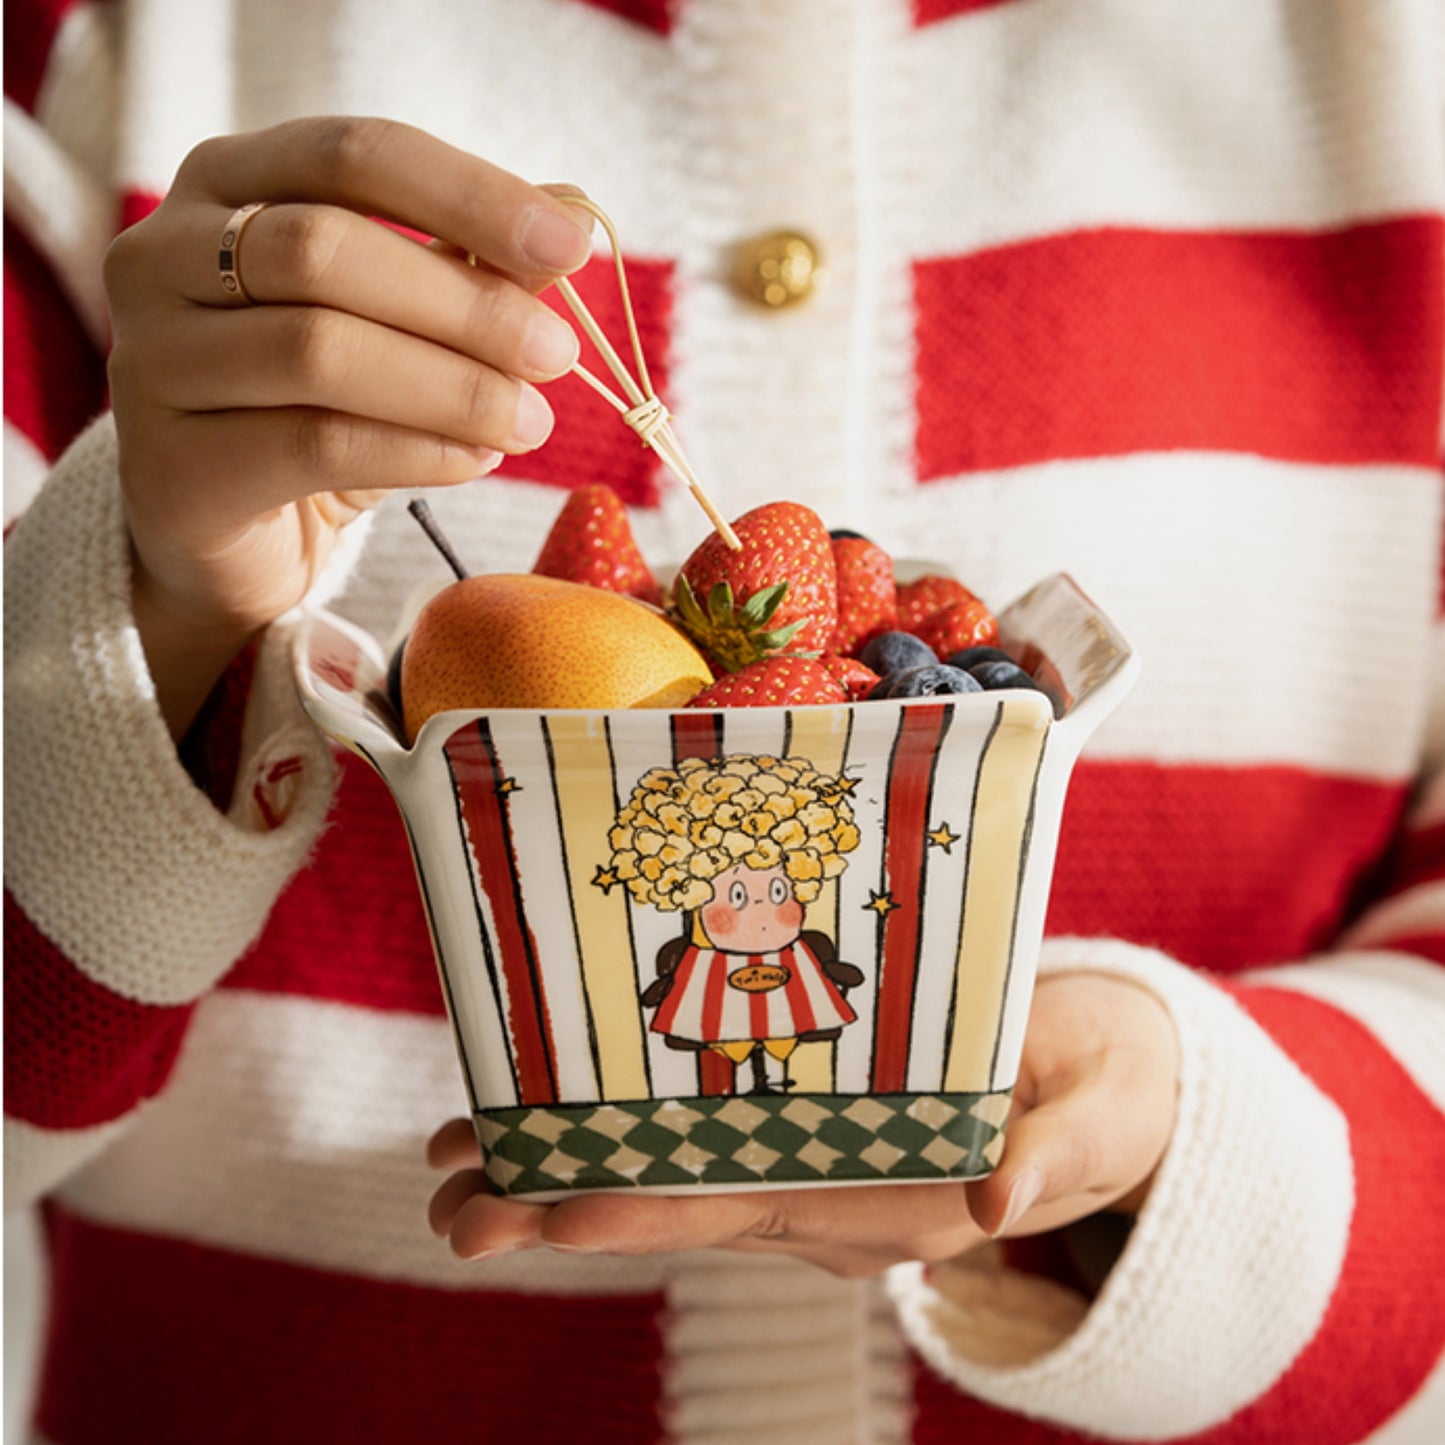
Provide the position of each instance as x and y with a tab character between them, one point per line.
970	657
932	680
893	651
993	675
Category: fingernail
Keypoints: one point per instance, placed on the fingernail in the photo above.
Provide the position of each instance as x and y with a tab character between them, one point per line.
570	1248
533	422
550	345
496	1253
470	463
1022	1196
554	243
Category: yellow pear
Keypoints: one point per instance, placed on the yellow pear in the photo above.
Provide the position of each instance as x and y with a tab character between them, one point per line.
504	640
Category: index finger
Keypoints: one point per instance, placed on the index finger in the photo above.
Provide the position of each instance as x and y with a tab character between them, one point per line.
402	174
909	1221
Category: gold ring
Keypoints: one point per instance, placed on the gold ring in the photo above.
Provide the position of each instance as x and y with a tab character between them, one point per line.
228	259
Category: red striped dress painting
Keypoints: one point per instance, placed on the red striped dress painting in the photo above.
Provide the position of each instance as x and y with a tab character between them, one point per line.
482	789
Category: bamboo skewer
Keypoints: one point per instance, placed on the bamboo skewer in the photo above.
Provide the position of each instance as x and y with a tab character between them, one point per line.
640	406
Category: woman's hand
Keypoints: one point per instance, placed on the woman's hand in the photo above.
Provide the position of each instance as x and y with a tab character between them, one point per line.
250	434
1092	1116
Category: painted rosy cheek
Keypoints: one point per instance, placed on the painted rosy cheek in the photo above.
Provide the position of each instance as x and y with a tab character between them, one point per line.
790	915
719	920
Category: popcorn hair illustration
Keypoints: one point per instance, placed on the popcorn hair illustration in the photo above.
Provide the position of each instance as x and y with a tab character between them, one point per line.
683	826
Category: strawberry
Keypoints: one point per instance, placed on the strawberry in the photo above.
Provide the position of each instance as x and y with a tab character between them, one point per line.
856	678
779	592
965	624
782	681
867	597
591	542
920	599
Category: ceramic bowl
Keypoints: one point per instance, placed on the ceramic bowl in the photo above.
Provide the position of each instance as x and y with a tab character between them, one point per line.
757	947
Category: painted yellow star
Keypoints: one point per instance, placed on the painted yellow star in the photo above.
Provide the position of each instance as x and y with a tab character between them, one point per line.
605	878
881	903
508	785
943	837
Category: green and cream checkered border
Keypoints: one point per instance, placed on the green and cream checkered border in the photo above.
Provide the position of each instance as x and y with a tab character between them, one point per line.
746	1139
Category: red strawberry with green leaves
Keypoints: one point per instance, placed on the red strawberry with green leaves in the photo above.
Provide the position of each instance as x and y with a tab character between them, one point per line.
778	593
967	623
867	594
783	681
920	599
856	678
591	542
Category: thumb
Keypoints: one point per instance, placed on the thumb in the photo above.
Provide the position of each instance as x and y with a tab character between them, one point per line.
1070	1156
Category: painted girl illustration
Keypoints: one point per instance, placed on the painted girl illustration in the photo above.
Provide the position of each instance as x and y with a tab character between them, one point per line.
739	846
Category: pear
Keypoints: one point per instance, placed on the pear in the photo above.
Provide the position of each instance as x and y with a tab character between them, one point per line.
503	640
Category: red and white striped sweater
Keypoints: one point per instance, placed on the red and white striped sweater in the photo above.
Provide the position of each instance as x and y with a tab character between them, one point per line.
1149	293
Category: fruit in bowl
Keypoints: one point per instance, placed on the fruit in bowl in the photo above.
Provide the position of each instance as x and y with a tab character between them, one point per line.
793	616
582	873
503	640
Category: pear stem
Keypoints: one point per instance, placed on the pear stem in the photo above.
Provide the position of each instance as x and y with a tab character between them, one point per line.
422	511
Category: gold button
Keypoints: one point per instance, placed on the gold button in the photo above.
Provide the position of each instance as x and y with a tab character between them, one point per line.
779	269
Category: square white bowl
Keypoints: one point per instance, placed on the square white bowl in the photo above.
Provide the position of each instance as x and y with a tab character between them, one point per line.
565	859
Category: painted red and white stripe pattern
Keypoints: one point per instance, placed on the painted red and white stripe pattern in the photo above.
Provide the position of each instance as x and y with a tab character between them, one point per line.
541	977
700	1006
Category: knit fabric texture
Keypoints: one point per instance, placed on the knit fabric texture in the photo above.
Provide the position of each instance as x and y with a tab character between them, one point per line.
1149	294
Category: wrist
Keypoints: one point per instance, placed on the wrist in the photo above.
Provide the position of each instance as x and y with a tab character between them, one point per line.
185	655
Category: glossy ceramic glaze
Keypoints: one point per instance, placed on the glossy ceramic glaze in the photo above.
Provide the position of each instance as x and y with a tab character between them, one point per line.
738	948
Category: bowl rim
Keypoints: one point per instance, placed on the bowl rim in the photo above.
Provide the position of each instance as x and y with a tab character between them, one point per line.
368	723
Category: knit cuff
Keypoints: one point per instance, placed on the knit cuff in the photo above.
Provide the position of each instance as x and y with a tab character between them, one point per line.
1229	1267
110	848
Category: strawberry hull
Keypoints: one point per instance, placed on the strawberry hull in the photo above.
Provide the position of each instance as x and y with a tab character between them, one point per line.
740	947
778	592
